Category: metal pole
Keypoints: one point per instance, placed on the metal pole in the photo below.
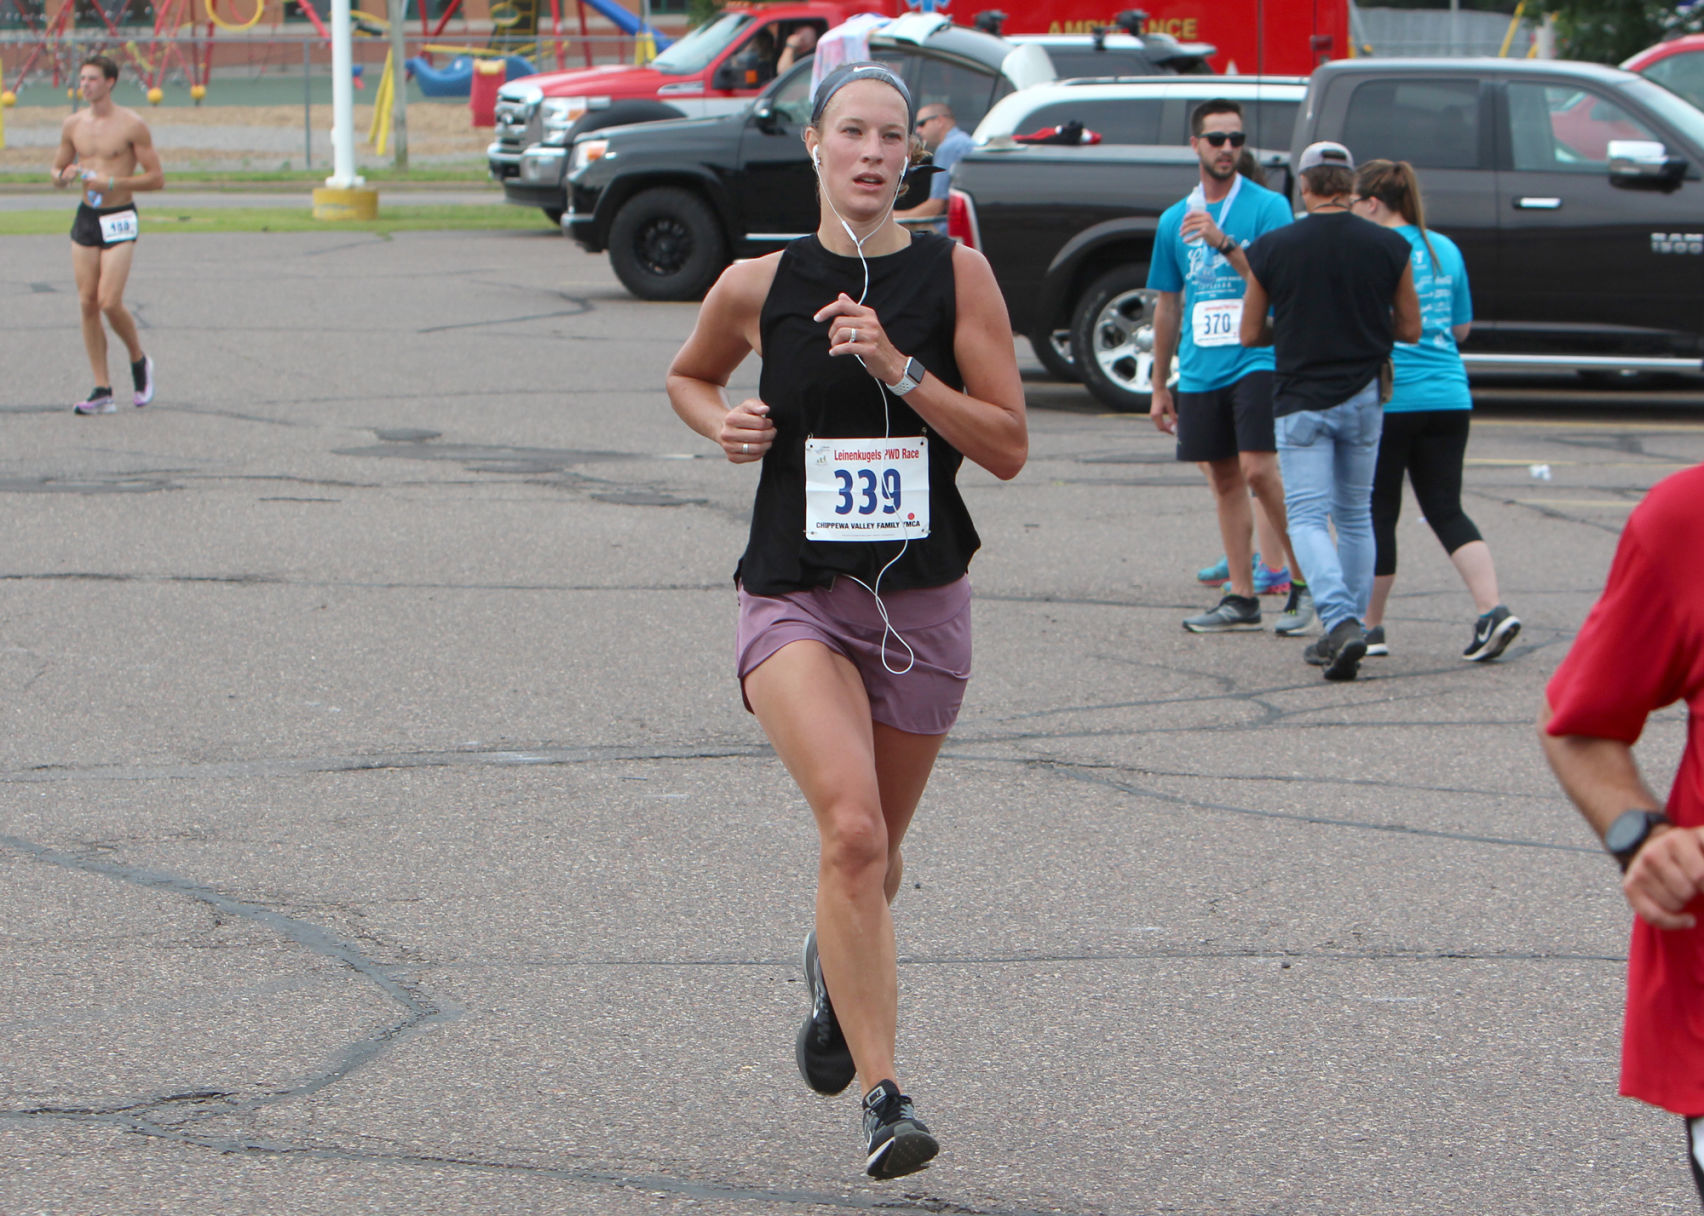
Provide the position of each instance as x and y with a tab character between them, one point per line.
342	102
399	87
307	111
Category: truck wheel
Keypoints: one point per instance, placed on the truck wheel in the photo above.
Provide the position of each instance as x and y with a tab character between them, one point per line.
1112	339
1053	348
665	244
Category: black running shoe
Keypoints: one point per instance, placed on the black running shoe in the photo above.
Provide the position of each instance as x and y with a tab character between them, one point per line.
99	401
1492	634
1347	643
825	1061
895	1140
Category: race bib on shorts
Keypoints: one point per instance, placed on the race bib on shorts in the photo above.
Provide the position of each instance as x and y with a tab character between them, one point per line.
1216	322
119	226
867	489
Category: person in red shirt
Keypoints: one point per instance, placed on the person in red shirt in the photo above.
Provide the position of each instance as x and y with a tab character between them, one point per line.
1641	648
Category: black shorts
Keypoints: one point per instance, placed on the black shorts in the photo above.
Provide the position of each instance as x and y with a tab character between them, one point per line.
86	228
1220	423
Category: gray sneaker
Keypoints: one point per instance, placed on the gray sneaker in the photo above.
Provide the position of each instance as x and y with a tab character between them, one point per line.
1376	644
1298	615
1231	613
1344	646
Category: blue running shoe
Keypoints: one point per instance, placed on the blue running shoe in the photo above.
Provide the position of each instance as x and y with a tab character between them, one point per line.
1267	581
1218	572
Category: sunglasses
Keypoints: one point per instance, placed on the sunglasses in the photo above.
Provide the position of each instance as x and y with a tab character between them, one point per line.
923	122
1219	138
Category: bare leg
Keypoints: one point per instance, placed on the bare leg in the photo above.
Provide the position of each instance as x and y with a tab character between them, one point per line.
1260	470
812	705
1382	583
86	267
1236	521
115	273
1473	563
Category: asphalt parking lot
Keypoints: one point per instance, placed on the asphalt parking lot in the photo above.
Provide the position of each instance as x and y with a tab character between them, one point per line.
381	831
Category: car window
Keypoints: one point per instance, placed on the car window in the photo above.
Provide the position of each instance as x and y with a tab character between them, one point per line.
1564	128
698	50
1682	73
1269	124
791	100
1118	120
1431	124
968	91
1086	61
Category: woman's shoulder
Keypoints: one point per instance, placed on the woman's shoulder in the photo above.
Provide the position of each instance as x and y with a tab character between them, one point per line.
745	285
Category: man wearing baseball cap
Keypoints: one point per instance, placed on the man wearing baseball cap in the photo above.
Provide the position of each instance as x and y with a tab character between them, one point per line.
1341	292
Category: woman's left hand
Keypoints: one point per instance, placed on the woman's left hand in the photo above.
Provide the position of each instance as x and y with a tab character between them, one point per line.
854	329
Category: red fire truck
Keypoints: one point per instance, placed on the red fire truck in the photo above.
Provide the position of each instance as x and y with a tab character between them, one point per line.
1268	37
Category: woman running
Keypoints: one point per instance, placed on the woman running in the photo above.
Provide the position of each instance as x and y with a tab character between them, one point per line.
1426	419
887	359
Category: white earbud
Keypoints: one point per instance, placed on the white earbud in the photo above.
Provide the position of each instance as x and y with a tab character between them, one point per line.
816	157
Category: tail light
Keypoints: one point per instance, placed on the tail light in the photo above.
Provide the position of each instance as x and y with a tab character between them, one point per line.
961	219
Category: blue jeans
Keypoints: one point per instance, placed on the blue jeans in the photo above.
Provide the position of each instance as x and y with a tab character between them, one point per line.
1327	458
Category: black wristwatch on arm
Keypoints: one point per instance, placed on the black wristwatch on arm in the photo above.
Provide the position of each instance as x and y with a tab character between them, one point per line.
1629	832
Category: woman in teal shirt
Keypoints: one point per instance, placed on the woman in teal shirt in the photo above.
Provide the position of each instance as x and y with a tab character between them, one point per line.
1426	419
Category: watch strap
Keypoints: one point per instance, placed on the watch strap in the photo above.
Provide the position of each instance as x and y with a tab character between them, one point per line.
909	378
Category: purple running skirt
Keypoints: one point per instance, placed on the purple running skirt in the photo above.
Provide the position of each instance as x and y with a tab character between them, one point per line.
934	621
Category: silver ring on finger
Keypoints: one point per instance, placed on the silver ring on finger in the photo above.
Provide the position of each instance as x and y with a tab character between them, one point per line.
745	449
851	335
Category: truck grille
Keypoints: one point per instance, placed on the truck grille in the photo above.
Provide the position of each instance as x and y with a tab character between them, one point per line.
513	120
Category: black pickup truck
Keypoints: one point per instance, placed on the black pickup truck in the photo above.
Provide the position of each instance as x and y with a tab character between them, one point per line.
1573	190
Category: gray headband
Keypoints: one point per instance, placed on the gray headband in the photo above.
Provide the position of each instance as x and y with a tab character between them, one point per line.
846	74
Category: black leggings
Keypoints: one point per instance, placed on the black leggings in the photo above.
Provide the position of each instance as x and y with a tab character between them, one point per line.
1428	445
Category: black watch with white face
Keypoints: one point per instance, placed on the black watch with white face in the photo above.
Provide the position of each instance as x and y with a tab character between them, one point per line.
1629	832
909	379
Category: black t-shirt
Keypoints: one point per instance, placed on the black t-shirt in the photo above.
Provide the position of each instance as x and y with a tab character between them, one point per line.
811	393
1331	279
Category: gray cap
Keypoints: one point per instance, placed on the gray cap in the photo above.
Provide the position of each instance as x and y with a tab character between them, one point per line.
1324	153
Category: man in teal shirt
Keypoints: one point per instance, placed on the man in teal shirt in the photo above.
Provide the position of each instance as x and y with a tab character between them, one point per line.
1222	411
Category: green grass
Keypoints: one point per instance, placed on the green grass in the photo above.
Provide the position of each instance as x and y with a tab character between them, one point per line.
399	217
215	179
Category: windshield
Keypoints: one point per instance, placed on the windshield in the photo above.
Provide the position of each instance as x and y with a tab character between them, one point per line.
1679	113
699	49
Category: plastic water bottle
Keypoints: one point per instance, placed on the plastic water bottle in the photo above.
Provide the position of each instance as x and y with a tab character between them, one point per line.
1197	201
94	195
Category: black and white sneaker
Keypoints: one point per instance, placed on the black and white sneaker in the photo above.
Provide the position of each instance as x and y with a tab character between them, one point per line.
142	378
99	401
825	1061
1376	644
1492	634
895	1140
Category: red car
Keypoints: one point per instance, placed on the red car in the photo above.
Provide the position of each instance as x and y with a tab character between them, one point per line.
1677	65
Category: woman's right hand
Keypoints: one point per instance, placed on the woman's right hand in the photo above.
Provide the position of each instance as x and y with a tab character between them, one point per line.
747	432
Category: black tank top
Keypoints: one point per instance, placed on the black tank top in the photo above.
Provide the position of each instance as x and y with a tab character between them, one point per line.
813	394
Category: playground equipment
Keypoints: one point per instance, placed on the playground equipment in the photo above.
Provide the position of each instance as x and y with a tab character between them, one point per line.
455	79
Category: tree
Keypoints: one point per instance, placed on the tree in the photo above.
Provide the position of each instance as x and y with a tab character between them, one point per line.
1608	31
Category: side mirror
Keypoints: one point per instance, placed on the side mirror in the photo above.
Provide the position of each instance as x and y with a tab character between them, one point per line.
728	78
763	113
1643	160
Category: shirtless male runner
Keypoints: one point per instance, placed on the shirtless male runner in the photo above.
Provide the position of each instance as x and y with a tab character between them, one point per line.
109	150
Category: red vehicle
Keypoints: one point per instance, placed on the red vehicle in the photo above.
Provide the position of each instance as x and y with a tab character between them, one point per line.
1267	37
1677	65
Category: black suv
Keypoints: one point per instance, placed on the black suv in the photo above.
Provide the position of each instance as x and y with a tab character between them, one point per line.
675	202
